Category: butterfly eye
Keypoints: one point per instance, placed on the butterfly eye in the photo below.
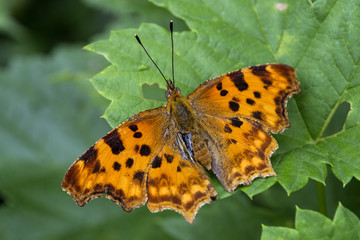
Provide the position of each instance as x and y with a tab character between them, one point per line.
167	94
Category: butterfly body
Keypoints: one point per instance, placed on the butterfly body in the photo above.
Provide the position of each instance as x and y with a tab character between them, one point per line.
158	156
181	112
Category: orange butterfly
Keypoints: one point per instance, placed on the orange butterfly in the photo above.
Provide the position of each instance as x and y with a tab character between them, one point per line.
156	155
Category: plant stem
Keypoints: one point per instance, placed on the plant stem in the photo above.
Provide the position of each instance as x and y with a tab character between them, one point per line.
321	198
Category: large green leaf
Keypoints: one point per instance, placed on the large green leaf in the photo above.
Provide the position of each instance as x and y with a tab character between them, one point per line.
319	39
313	225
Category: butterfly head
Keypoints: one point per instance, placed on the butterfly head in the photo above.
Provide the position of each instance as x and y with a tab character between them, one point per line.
172	91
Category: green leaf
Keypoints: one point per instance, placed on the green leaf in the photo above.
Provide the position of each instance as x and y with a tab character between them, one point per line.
347	224
319	39
279	233
313	225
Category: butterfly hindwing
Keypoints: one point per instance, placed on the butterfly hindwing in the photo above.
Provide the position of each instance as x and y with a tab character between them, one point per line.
241	150
259	93
178	183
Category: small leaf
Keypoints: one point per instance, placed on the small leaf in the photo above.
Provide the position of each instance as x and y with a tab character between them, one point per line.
347	224
313	225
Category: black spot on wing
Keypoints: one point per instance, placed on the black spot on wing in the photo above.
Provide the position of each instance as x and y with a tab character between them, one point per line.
236	122
112	139
96	167
133	127
169	158
234	106
156	162
137	135
178	169
116	166
250	101
237	78
266	81
145	150
227	129
219	86
223	93
257	115
139	175
129	162
259	70
257	95
136	148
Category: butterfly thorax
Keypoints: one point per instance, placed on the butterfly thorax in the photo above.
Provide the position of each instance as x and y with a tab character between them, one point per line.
181	111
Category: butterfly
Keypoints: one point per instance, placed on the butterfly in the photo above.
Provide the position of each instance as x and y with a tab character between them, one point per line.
161	156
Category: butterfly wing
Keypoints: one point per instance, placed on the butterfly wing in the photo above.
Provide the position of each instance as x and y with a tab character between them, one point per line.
259	93
236	110
117	165
177	182
126	166
240	150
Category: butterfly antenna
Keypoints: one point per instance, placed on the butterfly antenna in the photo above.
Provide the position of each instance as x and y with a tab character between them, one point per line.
172	51
138	39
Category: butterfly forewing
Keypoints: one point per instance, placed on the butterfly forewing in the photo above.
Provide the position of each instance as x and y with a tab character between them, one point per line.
117	165
237	110
259	93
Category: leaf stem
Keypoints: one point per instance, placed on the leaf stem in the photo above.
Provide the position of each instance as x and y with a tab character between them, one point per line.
321	198
328	119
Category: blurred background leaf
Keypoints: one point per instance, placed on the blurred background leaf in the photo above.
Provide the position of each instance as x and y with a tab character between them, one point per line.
50	116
